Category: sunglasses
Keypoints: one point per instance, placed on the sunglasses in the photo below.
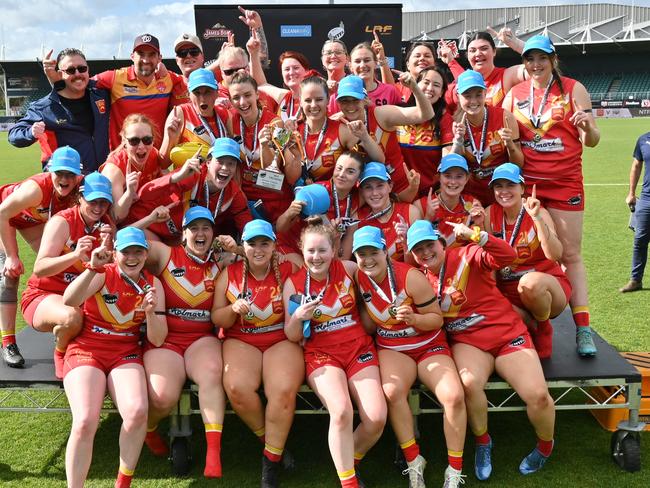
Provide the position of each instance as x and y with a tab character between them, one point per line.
192	51
231	71
135	141
73	69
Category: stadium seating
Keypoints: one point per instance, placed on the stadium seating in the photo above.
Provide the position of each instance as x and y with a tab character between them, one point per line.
635	83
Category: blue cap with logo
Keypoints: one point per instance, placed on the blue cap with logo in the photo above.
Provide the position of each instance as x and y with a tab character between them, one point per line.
316	198
65	158
469	79
130	236
368	236
374	170
201	77
198	212
225	146
257	228
507	171
543	43
351	86
453	160
421	230
97	186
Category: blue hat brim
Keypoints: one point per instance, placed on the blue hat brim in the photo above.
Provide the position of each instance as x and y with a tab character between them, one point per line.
131	242
417	240
96	195
367	243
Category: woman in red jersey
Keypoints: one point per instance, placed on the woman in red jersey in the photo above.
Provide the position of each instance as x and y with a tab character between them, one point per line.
393	218
421	144
25	207
487	136
248	306
200	122
555	121
191	349
534	282
451	204
68	239
335	59
117	299
322	139
411	344
364	63
321	311
420	55
481	52
134	163
486	335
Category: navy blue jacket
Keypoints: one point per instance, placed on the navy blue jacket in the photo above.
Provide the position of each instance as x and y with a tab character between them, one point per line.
93	149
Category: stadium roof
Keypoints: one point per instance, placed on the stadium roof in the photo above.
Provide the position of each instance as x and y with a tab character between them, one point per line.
565	24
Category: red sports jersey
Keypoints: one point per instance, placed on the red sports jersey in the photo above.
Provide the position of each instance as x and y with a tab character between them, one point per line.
394	247
50	204
288	108
336	320
264	326
469	298
149	171
348	206
530	255
459	214
422	149
189	290
276	201
114	313
130	95
323	156
389	144
190	192
552	147
391	333
494	94
195	130
59	282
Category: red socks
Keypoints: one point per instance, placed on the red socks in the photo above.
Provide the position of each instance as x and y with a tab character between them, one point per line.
580	316
8	338
543	339
455	459
411	450
213	454
273	454
156	443
545	447
58	363
124	477
348	479
483	439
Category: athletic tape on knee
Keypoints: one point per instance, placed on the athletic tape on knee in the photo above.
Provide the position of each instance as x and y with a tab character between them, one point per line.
8	286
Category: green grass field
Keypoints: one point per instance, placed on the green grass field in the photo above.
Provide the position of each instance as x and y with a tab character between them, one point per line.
34	445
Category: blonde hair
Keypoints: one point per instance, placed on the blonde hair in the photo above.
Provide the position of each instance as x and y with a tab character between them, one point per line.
315	225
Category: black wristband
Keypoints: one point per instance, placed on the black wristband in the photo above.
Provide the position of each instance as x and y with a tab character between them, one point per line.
158	312
428	302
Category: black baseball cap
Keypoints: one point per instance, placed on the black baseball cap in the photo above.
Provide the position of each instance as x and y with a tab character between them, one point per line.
146	40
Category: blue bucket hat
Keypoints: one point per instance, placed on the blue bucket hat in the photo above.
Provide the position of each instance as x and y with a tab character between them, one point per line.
368	236
453	160
130	236
225	146
351	86
96	186
421	230
374	170
543	43
507	171
257	228
65	158
195	213
469	79
201	77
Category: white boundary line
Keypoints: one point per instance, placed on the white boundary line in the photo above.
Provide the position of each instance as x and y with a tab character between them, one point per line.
606	184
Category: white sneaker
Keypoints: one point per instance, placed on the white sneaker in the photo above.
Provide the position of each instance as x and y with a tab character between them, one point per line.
453	478
415	471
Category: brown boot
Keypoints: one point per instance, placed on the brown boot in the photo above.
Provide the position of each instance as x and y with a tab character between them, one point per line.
631	285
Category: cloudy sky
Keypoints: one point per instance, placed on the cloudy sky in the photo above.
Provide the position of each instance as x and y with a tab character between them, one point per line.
106	28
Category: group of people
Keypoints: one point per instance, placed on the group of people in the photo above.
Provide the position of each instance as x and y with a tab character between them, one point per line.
190	240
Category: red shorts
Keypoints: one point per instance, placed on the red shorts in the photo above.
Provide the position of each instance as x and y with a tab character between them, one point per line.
351	356
509	289
261	340
178	342
105	358
29	302
559	194
498	340
438	345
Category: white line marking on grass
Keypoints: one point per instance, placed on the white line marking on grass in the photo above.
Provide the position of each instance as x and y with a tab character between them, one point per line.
606	184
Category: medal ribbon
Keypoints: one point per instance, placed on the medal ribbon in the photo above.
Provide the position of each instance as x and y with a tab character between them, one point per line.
310	162
249	153
536	119
515	230
206	192
478	152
